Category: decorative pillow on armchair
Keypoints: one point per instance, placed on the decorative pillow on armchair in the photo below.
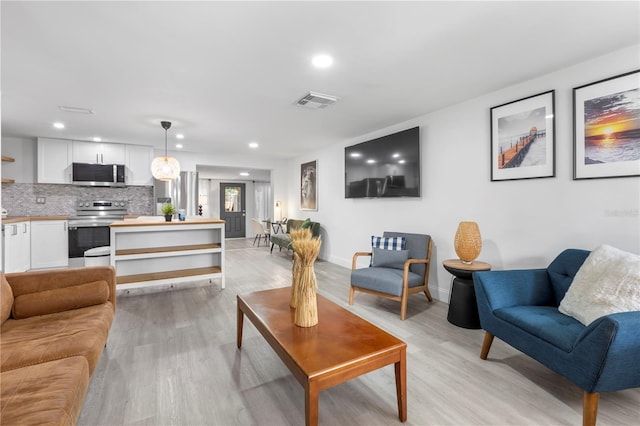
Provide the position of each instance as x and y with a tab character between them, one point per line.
388	243
608	282
389	258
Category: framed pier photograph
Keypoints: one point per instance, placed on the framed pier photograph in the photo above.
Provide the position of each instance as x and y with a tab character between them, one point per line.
606	138
523	138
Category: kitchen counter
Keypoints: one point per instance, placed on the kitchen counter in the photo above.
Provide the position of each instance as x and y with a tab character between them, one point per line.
15	219
188	221
150	252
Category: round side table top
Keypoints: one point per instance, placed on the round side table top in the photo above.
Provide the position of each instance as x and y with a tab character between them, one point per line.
476	265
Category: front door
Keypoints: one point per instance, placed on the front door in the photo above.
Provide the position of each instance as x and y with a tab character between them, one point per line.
233	209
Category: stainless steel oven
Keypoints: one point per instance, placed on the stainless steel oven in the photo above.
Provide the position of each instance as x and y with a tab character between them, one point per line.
90	227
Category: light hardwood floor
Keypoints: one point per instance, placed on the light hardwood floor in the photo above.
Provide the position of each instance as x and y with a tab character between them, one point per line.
171	359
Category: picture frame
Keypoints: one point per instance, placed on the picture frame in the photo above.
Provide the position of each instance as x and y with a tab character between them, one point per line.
606	122
309	185
523	138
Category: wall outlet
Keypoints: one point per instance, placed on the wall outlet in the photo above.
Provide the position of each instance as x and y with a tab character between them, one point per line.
41	200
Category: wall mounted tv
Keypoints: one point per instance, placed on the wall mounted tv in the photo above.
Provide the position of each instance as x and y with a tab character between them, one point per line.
384	167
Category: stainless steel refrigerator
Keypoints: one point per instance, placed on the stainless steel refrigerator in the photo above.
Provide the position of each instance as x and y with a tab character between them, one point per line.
182	193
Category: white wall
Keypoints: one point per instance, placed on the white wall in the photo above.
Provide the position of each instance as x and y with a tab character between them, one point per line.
524	223
24	151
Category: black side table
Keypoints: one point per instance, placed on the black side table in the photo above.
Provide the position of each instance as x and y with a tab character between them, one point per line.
463	308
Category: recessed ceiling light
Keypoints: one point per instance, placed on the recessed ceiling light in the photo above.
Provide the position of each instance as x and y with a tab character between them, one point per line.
322	61
371	161
355	155
178	145
253	145
396	155
97	139
401	161
244	174
58	125
180	136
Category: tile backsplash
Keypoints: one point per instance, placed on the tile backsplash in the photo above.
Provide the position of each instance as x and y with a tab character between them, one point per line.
60	200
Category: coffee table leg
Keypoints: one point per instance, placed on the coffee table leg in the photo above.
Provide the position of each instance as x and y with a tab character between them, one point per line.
240	322
401	385
311	404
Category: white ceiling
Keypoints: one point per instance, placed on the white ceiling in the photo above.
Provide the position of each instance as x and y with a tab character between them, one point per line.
227	73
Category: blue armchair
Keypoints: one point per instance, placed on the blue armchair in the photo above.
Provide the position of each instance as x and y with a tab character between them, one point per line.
521	308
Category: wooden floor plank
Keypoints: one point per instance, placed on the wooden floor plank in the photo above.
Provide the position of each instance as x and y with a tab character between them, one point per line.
171	359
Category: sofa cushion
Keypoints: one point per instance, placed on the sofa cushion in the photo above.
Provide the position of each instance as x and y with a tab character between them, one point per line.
6	298
418	246
389	258
545	322
45	338
306	224
385	280
608	282
44	394
60	299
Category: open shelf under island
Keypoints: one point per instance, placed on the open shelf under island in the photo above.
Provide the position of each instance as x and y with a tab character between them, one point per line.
149	252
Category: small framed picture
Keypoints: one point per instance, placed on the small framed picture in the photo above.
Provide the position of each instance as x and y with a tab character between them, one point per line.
523	138
606	138
308	185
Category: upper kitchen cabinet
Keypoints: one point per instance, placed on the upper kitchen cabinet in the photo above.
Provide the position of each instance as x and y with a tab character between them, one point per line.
100	153
54	160
138	160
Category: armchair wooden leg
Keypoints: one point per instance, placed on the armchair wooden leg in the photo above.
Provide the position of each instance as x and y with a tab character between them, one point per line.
590	408
351	294
428	294
403	308
486	345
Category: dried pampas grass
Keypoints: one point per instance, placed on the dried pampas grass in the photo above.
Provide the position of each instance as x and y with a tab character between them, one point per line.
295	235
307	310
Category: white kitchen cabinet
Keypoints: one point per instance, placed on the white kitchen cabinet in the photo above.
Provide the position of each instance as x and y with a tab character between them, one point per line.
54	160
16	238
98	153
138	160
49	244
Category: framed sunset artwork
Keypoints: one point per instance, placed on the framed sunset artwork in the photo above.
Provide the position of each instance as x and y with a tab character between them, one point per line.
607	127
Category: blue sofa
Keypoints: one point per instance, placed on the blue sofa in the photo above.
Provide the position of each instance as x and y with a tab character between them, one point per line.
521	308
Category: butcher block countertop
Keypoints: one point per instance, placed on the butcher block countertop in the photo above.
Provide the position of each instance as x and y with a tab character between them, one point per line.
144	222
14	219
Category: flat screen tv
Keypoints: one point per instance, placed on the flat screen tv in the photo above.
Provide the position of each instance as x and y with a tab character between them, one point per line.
384	167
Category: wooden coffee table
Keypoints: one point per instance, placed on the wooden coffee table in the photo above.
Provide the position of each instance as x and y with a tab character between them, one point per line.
340	347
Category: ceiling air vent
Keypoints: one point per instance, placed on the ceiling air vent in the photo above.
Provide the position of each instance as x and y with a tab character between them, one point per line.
315	100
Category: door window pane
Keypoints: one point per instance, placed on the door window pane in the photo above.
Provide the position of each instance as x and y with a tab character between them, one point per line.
232	199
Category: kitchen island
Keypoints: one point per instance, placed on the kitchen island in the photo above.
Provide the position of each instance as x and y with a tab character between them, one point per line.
150	252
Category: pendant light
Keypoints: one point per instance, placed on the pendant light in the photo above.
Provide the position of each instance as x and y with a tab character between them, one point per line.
165	167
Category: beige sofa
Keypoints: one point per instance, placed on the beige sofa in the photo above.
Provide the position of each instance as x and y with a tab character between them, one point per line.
54	328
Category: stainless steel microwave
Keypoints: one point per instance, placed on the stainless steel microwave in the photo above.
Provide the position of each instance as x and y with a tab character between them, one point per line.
98	174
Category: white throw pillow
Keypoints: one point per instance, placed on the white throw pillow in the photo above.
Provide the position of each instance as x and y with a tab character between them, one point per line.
607	282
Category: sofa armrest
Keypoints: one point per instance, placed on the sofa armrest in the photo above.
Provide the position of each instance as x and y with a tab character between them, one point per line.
611	344
503	289
37	281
